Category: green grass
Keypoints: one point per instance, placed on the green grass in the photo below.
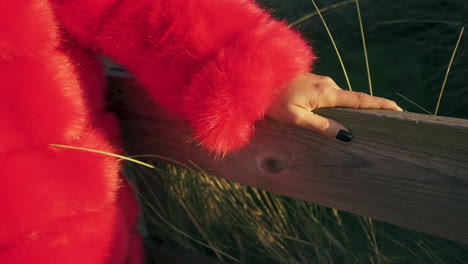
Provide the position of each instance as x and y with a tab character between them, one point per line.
409	56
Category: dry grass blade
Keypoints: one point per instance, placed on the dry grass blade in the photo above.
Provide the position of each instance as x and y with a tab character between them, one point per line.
429	21
334	45
364	47
168	223
415	104
448	70
193	219
218	252
323	9
105	153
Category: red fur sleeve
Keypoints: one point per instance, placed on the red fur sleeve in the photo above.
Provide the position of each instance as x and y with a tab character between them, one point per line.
216	64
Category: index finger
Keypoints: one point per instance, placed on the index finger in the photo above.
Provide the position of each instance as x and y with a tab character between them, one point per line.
361	100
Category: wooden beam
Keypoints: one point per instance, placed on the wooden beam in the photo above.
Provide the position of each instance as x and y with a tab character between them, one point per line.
403	168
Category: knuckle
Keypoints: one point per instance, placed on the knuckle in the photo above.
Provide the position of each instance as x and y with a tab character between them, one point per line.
361	96
296	118
364	99
321	86
323	126
327	80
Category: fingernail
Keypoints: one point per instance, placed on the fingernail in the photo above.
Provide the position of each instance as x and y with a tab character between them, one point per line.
344	136
403	108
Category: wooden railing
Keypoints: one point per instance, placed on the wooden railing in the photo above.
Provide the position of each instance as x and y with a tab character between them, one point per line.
402	168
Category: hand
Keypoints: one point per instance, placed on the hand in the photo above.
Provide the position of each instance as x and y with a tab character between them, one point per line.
309	91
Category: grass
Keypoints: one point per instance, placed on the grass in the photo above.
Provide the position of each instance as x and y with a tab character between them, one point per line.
408	46
448	71
395	49
333	42
240	224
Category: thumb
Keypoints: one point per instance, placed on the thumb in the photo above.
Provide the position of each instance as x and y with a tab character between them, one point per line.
323	125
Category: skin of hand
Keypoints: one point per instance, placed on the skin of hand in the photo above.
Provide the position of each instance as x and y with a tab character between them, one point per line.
308	91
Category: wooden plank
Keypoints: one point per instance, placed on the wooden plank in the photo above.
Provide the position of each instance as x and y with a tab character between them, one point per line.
403	168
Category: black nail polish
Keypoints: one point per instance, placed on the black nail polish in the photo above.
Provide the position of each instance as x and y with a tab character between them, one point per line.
344	135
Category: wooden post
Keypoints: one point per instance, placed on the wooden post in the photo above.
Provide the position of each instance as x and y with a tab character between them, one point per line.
402	168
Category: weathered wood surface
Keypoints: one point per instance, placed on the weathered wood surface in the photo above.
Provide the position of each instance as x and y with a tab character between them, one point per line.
403	168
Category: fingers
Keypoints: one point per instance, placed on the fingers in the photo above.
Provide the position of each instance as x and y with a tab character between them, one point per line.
322	125
361	100
309	91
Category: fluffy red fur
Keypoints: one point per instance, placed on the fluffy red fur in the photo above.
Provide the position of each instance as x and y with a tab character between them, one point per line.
216	64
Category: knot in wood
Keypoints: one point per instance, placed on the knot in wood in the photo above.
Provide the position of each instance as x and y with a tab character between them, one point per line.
273	164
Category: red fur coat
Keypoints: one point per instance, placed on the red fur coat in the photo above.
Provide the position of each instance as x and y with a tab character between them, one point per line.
216	64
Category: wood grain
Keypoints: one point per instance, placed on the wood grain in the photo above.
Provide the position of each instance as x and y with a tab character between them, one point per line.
403	168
